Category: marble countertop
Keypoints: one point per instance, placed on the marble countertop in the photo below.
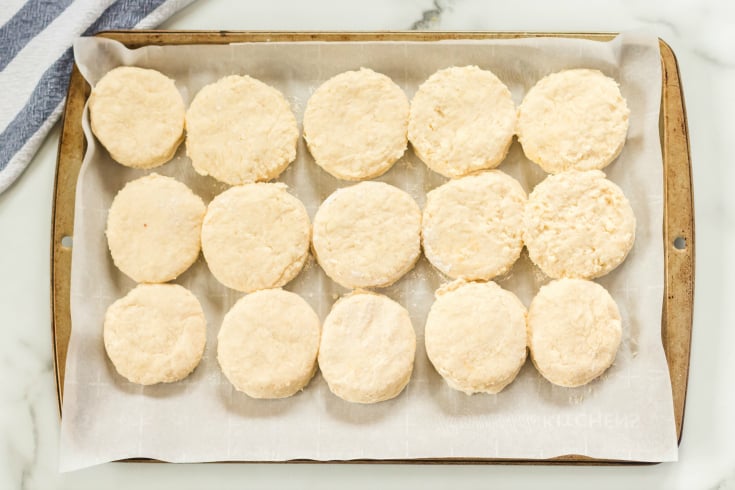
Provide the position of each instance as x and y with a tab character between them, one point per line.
702	35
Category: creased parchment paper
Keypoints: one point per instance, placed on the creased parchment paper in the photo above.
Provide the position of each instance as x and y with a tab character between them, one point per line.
626	414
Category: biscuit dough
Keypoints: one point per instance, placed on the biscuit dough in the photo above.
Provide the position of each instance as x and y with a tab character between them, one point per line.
268	344
472	227
578	225
367	235
475	336
153	228
355	124
240	130
138	115
574	331
255	236
573	119
367	348
155	334
462	120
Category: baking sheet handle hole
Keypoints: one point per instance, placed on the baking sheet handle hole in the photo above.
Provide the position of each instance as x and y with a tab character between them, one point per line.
680	243
66	241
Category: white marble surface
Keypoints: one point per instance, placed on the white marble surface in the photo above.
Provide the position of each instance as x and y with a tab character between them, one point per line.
703	36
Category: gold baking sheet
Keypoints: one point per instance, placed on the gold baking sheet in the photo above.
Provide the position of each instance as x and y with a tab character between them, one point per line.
676	323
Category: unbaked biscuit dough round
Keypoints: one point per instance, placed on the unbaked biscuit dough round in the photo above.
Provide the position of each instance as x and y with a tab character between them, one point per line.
462	120
367	348
574	331
240	130
573	119
475	336
355	124
138	115
154	227
268	344
578	225
472	227
255	236
155	334
367	235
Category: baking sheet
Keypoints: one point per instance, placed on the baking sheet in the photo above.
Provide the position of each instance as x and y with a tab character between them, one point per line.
627	414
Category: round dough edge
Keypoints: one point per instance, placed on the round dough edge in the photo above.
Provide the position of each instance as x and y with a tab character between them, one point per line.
153	228
138	115
586	130
472	226
475	336
574	331
367	235
356	367
578	224
462	120
268	343
356	123
156	333
240	130
256	236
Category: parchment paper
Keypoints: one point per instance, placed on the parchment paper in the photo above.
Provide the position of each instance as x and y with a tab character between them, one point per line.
626	414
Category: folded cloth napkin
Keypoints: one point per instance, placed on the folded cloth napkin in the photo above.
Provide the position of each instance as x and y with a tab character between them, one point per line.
36	60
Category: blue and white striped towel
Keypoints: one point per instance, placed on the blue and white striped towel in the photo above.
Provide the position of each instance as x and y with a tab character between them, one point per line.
36	60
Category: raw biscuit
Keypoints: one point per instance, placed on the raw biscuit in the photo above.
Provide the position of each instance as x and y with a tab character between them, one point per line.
574	331
475	336
472	227
138	115
255	236
573	119
367	235
268	344
578	225
155	334
462	120
355	124
240	130
154	227
367	348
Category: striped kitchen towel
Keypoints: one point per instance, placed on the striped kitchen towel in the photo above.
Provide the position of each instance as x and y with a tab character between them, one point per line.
36	60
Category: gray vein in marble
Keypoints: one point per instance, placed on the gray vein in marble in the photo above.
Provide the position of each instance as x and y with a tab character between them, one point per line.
430	18
30	465
704	53
47	364
728	483
666	23
38	368
706	56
